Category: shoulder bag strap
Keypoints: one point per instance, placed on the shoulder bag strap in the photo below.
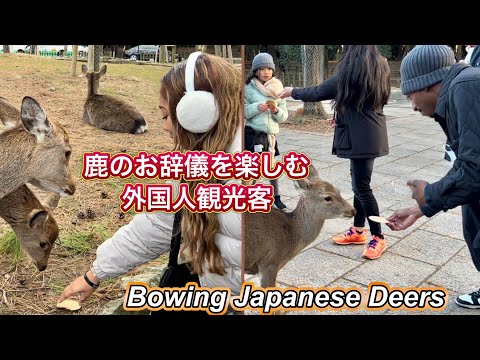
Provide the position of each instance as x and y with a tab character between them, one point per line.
176	239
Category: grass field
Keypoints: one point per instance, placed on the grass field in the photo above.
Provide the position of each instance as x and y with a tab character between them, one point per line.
23	290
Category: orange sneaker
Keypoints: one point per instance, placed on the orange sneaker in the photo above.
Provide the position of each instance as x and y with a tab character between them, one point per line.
351	237
375	248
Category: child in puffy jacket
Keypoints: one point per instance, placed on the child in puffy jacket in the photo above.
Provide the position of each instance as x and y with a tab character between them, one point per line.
264	110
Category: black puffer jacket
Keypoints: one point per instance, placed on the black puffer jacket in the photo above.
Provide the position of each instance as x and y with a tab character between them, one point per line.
358	135
458	112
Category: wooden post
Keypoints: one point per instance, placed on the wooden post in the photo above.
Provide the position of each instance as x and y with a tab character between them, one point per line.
73	72
218	50
65	50
230	55
224	51
90	57
163	54
174	48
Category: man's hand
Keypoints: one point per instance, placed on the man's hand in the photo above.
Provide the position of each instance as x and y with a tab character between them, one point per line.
404	218
418	190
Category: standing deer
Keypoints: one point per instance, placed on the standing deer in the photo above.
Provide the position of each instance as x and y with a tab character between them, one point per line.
273	239
37	152
108	113
34	225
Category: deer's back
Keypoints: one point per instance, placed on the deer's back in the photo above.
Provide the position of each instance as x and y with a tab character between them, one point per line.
112	114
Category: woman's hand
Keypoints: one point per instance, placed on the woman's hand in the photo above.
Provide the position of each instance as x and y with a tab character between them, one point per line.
286	92
80	287
263	107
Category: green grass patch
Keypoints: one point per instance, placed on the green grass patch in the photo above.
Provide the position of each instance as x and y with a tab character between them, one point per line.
57	289
83	242
10	245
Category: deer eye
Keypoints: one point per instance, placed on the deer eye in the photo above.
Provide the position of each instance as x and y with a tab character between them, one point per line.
43	245
328	198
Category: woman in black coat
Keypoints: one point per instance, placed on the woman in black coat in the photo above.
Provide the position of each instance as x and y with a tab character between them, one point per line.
359	89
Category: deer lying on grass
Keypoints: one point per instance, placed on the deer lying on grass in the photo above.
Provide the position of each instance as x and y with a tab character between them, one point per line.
37	152
108	113
34	225
273	239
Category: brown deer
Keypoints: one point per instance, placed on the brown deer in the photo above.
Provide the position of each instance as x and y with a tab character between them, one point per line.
272	239
34	225
35	150
9	114
108	113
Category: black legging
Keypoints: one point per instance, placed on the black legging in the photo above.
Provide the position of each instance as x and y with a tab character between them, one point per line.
364	201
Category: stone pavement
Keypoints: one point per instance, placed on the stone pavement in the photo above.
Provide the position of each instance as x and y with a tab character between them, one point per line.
432	252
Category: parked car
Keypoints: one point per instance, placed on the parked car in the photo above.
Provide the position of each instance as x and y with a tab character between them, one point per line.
135	52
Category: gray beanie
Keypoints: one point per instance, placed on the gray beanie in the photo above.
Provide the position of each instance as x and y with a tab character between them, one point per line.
263	60
425	66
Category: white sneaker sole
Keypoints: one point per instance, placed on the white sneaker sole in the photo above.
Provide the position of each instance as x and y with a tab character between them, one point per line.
467	305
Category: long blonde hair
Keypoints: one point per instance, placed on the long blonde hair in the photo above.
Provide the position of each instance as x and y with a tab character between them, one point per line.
218	76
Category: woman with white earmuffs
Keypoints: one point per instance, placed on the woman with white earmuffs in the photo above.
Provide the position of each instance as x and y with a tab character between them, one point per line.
201	104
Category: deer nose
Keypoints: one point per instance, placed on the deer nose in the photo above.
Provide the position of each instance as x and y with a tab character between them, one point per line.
354	212
42	267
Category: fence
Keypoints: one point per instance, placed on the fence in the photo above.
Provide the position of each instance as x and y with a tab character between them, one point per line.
81	54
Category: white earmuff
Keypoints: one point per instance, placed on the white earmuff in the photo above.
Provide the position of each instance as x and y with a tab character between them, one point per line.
197	110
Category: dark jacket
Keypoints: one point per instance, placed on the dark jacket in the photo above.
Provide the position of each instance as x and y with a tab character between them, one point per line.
358	135
458	113
475	58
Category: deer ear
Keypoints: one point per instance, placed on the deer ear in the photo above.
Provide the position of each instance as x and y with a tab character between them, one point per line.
34	118
38	219
103	70
303	184
312	173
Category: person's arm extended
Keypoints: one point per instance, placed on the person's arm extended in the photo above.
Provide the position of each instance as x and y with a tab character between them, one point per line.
460	185
145	238
325	91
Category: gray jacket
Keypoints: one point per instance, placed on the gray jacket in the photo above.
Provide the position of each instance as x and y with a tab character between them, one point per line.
148	236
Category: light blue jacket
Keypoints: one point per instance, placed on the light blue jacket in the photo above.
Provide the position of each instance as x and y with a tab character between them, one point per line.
263	121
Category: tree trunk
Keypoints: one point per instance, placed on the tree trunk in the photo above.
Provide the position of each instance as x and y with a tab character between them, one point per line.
73	71
218	50
91	50
6	49
96	57
459	52
313	75
65	50
230	55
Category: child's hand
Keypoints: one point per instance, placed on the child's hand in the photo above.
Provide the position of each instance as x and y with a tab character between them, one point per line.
262	107
272	106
